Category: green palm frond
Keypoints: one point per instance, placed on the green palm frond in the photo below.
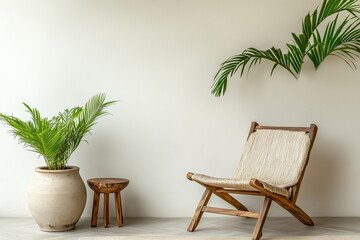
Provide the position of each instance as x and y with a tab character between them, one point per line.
93	110
251	57
57	139
308	43
342	41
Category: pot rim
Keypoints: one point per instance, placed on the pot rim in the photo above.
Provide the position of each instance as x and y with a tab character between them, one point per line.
45	169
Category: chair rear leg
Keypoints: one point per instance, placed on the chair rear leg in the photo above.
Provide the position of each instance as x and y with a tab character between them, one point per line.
285	203
302	216
198	213
261	220
229	199
297	212
226	197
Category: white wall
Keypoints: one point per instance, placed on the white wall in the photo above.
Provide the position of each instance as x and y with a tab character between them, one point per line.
158	59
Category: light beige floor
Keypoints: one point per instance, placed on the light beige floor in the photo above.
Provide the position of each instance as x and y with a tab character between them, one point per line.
25	228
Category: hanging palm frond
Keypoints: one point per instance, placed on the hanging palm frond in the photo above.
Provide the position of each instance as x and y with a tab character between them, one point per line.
342	41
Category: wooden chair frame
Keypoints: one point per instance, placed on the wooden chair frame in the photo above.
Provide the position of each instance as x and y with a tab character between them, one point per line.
241	210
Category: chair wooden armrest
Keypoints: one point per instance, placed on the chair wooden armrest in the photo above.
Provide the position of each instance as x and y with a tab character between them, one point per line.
189	176
264	188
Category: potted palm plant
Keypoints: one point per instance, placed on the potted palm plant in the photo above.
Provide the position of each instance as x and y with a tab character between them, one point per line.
57	194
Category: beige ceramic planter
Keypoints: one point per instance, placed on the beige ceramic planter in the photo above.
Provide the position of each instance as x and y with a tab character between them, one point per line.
56	198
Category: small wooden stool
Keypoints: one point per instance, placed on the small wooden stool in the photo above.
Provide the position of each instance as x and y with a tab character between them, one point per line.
106	186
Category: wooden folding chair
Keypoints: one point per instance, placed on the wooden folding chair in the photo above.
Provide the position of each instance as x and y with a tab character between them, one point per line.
272	165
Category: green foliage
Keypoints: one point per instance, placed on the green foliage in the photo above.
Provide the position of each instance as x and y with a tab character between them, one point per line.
57	138
341	40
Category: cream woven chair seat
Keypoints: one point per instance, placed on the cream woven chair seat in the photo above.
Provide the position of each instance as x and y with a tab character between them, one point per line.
238	184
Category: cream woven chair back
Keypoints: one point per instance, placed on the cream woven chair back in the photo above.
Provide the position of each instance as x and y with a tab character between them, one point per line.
274	156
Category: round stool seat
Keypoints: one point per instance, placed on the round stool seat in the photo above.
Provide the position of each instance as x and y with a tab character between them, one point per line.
107	185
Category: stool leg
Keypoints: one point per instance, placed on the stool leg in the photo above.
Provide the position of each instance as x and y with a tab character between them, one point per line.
122	215
95	209
119	215
106	209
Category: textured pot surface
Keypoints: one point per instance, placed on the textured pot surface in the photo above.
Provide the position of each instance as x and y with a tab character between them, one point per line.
56	198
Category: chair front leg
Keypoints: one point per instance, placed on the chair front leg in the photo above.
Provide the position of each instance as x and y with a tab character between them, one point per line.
261	220
198	213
